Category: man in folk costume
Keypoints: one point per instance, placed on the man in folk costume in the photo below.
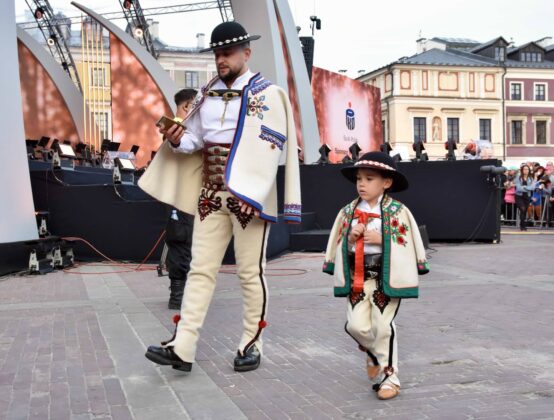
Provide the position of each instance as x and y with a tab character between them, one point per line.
375	252
223	168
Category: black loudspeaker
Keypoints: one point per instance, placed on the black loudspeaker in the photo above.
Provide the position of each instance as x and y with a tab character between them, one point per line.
308	50
424	236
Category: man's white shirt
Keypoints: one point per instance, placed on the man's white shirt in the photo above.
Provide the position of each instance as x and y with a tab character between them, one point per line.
206	124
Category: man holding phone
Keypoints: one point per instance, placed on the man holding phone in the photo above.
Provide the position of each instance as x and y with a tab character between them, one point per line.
225	161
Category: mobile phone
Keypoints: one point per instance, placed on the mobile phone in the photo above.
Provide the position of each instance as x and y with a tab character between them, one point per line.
166	122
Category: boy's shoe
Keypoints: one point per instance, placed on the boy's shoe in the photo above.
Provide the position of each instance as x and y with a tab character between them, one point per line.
372	370
388	391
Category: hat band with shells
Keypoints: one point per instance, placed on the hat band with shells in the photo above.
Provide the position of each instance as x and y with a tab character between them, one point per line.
374	163
228	41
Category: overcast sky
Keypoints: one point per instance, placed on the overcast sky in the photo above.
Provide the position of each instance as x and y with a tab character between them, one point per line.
364	34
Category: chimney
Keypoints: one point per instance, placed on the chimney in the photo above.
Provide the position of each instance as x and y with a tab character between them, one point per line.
154	28
421	45
200	40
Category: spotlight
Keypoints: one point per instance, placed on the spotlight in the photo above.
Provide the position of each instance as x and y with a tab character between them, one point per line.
324	151
31	145
123	171
42	223
450	146
52	40
127	4
493	174
354	151
135	149
138	32
64	151
397	158
65	66
39	13
113	146
43	142
385	148
105	145
419	148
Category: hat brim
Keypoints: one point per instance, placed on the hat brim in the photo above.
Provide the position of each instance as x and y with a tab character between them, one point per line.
399	181
231	44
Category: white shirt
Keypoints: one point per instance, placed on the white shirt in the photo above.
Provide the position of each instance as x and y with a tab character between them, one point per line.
373	224
206	124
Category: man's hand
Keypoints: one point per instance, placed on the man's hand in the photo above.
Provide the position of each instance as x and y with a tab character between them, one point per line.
173	134
356	232
372	237
248	209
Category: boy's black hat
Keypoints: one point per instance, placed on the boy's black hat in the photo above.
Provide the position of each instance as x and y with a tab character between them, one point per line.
229	34
381	162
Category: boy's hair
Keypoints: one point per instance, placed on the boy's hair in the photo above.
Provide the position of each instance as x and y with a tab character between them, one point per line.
184	95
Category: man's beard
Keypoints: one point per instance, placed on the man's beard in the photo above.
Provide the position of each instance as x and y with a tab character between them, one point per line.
230	76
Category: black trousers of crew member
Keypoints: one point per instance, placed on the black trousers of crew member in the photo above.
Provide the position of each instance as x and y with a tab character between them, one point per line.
522	203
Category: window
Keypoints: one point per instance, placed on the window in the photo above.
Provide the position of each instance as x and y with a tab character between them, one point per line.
500	54
540	92
515	91
485	129
101	120
517	132
531	56
453	126
191	79
540	131
420	130
98	76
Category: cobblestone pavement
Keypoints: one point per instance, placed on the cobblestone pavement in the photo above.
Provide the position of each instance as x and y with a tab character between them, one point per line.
479	343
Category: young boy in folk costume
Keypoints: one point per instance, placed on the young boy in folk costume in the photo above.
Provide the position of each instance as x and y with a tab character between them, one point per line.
376	253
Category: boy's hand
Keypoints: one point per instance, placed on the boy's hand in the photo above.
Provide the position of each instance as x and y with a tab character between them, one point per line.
247	209
372	237
356	232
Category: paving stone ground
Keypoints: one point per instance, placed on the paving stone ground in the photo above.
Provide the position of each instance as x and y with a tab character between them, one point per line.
478	344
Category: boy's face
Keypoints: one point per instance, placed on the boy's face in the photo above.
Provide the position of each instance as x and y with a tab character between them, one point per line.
371	184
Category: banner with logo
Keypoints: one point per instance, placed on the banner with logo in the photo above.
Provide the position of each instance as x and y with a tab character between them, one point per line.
348	112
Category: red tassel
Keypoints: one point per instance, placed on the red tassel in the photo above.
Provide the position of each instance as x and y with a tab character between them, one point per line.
176	318
262	324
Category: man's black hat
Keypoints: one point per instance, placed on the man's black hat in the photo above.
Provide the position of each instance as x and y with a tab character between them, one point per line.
381	162
229	34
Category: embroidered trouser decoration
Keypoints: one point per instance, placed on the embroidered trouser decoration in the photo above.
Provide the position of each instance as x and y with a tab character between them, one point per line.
208	203
211	238
375	332
234	206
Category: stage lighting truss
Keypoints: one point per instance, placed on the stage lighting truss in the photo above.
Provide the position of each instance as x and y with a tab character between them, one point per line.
50	27
136	21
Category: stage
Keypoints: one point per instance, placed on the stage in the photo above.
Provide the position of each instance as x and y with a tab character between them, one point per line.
453	200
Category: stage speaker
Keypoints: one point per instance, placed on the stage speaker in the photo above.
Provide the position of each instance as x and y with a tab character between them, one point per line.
308	44
424	236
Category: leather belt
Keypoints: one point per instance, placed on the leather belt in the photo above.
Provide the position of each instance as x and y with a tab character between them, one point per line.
372	265
214	156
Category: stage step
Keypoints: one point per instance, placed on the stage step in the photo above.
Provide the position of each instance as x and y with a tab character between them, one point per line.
309	240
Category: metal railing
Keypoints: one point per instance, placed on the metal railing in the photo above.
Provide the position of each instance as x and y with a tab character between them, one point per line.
539	215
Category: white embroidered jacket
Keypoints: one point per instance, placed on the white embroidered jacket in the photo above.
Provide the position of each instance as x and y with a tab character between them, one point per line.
403	252
265	130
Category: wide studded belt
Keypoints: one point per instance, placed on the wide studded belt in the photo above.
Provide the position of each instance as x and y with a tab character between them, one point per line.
372	265
214	160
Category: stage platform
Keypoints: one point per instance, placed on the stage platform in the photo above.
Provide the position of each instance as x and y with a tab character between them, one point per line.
453	200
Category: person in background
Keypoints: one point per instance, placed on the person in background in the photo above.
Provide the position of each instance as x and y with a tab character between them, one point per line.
524	187
179	226
535	206
510	195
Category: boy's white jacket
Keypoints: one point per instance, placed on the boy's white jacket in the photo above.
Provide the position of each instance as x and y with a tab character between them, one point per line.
403	251
265	130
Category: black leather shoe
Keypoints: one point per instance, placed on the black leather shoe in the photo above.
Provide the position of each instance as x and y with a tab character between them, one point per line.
250	361
166	356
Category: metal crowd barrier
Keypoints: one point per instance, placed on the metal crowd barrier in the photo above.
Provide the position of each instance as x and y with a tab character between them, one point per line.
509	215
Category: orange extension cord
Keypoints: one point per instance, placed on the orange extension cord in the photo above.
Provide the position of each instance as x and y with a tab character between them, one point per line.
130	268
